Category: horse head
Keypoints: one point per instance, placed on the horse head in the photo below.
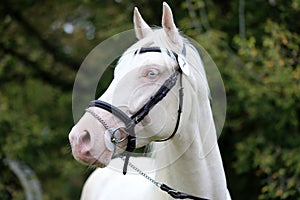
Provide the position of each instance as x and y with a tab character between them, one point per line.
142	104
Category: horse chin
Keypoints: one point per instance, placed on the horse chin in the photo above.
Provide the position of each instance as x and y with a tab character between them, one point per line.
91	158
103	160
101	163
95	164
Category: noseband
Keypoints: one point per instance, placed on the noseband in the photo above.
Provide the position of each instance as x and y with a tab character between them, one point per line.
131	122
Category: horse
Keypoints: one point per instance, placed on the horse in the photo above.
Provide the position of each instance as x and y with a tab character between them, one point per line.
161	83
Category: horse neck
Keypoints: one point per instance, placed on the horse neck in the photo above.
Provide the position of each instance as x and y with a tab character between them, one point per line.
191	161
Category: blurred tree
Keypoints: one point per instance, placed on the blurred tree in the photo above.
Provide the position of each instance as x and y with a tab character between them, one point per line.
271	112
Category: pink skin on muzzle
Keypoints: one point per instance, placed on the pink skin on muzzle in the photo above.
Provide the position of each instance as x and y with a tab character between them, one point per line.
88	141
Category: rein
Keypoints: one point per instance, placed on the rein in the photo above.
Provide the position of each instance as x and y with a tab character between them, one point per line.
131	122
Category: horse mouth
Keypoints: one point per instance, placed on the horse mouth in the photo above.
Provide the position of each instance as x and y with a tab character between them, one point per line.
97	163
92	157
90	160
92	144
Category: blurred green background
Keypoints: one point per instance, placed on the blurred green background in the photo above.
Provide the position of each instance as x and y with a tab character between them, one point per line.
254	43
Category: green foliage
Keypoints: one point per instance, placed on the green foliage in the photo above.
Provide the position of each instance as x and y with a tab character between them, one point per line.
261	73
35	132
270	111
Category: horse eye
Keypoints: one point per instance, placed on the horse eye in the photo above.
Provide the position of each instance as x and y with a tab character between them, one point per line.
152	74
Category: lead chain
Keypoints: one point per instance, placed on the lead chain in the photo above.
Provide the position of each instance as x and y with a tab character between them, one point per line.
142	173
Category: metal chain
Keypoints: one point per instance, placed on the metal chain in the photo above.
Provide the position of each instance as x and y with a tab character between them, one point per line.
112	131
172	192
142	173
99	119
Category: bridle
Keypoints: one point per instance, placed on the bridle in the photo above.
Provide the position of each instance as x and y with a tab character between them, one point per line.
132	121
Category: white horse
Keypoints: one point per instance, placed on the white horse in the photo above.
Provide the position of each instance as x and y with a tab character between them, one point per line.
190	160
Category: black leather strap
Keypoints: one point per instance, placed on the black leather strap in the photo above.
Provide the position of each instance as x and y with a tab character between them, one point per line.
180	105
112	109
157	97
178	195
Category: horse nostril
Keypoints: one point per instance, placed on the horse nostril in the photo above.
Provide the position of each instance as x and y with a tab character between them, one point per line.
86	138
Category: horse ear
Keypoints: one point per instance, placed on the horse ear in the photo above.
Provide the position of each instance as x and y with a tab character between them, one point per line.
142	29
169	25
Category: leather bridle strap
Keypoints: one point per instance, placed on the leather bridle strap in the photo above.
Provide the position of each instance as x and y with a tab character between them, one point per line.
180	104
179	195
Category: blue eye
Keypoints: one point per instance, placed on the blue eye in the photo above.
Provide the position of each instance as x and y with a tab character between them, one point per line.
152	74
